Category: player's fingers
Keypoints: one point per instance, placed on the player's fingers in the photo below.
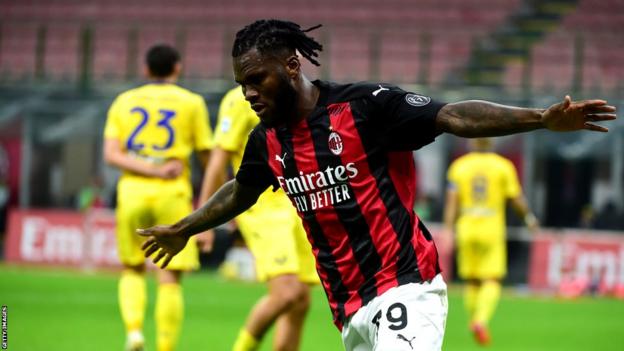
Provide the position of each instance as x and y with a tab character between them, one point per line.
159	256
593	117
176	162
166	261
169	174
567	101
595	102
144	231
149	251
147	243
595	128
599	109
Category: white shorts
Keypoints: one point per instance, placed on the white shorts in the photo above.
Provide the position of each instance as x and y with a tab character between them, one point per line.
408	317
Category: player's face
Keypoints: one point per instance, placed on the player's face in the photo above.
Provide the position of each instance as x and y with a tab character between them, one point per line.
267	86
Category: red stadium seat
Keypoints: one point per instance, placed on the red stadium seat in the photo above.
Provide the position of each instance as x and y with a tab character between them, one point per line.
17	50
63	54
110	49
353	24
598	25
206	55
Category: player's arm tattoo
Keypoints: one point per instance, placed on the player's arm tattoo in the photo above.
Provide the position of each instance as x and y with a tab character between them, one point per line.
475	118
229	201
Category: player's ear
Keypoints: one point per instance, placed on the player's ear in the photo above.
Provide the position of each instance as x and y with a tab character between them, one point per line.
147	72
293	65
177	69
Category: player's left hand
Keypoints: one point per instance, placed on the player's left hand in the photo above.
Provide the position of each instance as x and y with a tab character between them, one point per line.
163	239
577	115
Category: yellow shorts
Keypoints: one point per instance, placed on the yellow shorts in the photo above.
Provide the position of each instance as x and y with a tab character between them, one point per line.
276	238
137	211
481	259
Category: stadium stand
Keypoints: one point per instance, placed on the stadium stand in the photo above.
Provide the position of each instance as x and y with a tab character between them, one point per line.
363	39
17	59
583	53
62	44
110	53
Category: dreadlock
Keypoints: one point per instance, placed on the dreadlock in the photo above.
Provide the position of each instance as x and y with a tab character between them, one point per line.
274	35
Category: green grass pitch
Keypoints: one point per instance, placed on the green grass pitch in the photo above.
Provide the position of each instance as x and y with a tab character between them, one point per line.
63	310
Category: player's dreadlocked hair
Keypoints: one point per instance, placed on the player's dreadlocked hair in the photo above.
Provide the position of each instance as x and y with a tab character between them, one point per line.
275	35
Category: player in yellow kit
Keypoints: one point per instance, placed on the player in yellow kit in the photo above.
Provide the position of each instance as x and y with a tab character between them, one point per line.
150	133
480	183
273	232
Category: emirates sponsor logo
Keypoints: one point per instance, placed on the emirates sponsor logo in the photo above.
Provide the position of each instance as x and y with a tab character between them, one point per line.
335	143
312	191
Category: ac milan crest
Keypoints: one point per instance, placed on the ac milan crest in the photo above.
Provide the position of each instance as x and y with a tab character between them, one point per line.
335	143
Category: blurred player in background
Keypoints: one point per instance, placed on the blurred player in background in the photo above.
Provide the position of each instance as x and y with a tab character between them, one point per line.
150	134
343	154
273	233
479	185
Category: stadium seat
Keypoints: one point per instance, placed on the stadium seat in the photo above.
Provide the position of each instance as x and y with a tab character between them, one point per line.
593	27
17	48
62	55
110	52
205	52
352	30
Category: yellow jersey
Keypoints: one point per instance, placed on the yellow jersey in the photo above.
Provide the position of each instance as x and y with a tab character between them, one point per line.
235	121
484	181
155	123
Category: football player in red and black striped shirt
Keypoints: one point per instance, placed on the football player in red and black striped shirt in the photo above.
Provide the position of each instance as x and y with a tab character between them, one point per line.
342	153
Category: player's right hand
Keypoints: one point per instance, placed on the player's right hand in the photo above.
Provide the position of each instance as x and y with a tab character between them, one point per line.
445	241
532	223
171	169
163	240
205	240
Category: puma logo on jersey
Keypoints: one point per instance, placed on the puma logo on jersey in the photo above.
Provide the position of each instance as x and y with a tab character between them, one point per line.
379	90
281	159
409	341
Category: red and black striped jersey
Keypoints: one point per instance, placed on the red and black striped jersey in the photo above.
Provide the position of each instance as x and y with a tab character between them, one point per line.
349	171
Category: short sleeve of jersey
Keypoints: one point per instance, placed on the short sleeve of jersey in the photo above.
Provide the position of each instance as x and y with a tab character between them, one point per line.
406	120
201	123
111	129
512	185
254	169
233	122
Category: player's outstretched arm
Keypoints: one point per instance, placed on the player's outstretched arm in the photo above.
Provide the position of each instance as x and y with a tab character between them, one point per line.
475	118
229	201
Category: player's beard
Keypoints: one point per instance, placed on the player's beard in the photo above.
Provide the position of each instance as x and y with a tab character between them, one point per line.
285	104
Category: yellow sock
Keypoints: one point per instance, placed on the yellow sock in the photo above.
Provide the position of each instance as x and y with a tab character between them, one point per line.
471	292
245	341
489	294
169	314
131	294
